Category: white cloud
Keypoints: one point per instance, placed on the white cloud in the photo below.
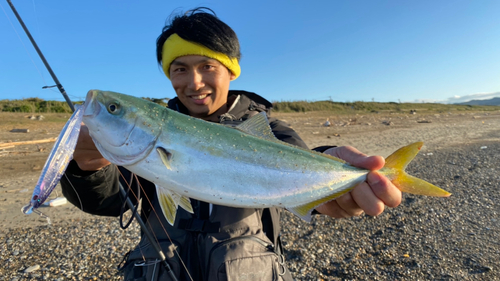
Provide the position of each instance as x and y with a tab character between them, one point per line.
428	101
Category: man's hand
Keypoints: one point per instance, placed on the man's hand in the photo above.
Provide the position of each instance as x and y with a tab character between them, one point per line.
86	154
370	196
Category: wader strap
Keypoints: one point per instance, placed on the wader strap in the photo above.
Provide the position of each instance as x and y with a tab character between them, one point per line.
199	222
271	225
204	212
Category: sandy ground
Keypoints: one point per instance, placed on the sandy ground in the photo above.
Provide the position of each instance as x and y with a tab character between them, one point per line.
374	134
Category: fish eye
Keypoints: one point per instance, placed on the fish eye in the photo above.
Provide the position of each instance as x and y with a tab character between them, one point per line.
113	107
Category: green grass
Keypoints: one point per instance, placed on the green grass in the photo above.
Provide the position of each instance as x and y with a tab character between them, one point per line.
360	106
36	105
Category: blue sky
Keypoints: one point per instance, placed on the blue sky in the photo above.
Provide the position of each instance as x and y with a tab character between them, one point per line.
350	50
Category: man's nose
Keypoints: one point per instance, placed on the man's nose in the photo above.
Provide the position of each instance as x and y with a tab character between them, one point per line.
196	81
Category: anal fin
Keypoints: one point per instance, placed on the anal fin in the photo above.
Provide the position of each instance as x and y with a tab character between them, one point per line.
304	211
170	201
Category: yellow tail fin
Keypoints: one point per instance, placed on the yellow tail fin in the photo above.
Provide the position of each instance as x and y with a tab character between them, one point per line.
394	168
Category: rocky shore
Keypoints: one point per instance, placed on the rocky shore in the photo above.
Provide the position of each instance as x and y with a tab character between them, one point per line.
455	238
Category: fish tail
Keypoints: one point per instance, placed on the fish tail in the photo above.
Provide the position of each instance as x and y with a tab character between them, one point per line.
395	166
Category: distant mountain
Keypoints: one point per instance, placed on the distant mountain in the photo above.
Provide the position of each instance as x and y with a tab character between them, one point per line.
493	101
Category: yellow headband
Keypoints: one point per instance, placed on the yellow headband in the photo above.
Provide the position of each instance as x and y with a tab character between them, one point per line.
175	47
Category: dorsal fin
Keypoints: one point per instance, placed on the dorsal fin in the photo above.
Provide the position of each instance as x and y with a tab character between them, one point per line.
257	126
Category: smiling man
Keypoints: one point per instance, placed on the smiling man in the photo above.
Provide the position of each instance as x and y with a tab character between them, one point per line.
202	85
200	55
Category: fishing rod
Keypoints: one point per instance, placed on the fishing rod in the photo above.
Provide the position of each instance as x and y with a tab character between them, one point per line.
122	190
58	84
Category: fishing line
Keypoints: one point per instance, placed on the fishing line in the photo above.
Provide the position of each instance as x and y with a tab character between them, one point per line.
26	49
36	18
132	216
122	211
74	189
150	227
36	211
159	220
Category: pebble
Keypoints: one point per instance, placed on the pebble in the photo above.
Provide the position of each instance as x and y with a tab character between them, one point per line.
66	251
32	268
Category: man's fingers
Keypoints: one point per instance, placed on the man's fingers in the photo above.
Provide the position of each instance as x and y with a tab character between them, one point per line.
349	205
366	199
342	207
356	158
333	209
383	189
370	196
92	164
86	154
84	139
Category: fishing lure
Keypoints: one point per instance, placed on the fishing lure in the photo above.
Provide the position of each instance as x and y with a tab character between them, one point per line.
56	163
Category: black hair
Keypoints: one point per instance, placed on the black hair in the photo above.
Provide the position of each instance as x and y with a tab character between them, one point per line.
201	26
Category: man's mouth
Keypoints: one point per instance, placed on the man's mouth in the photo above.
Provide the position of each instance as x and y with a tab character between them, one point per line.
200	97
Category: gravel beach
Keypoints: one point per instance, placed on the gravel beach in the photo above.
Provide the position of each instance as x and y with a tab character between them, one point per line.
425	238
455	238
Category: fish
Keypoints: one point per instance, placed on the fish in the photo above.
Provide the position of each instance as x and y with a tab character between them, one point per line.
57	162
244	166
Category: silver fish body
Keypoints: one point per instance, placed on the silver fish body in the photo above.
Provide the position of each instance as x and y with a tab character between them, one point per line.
187	157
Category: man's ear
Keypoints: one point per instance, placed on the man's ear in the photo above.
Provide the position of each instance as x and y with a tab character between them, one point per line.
231	75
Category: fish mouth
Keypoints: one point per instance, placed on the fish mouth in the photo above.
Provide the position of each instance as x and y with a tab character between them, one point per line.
108	148
124	160
92	107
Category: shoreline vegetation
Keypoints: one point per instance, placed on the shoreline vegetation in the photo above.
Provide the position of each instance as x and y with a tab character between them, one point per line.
37	105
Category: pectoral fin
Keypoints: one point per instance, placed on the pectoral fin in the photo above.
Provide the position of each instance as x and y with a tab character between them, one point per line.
169	202
165	156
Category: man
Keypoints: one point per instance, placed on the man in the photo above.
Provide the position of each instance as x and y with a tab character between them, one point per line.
200	55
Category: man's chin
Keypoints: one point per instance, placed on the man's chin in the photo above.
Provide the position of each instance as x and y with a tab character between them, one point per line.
199	111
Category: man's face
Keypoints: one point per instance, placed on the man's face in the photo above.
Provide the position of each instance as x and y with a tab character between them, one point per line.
201	84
